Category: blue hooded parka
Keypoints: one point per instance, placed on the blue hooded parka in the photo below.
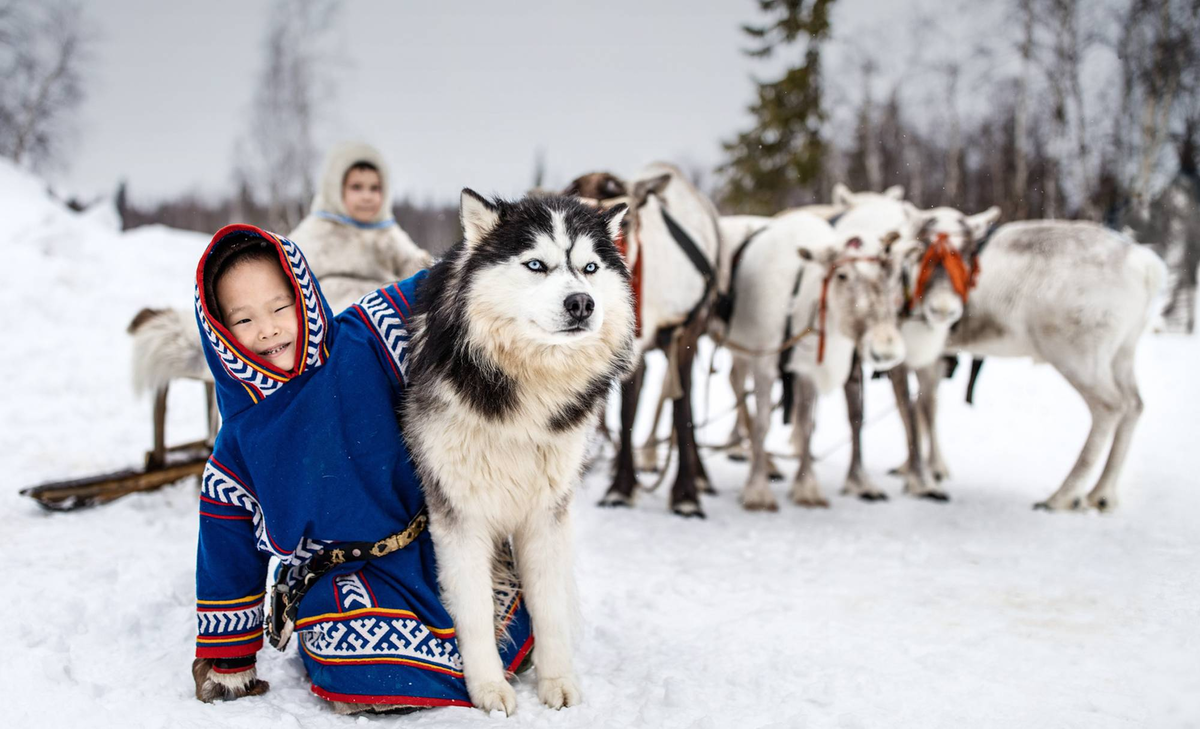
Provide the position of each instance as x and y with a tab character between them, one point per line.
308	458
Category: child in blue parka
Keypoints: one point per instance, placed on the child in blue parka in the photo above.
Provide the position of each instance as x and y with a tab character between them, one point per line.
310	456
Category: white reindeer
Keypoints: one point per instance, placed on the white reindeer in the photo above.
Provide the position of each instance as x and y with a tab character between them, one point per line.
799	282
676	297
925	324
1073	294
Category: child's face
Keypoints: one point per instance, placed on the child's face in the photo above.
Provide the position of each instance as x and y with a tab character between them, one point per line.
259	309
362	194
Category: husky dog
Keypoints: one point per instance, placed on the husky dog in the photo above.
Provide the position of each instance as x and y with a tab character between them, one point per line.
519	333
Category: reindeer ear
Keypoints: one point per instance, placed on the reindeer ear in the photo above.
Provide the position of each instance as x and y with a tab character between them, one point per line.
842	196
888	240
824	256
478	216
895	192
980	223
642	189
612	219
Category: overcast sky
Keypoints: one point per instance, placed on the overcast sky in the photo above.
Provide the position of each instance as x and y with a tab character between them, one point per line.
453	93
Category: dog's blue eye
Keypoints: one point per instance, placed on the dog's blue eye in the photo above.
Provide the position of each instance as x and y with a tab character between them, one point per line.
591	268
535	265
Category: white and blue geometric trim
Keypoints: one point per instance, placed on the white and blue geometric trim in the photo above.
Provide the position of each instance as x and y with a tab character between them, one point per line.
390	328
216	485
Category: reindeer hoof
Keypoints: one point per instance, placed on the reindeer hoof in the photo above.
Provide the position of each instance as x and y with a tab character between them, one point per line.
1102	503
818	502
688	510
873	496
766	503
1049	505
616	499
775	476
939	496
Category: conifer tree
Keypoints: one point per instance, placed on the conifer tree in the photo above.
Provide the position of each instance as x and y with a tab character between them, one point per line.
784	150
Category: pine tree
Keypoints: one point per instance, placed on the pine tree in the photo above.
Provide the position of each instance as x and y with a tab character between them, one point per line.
785	149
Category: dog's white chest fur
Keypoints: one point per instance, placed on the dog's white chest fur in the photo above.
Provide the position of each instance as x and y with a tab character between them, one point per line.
499	471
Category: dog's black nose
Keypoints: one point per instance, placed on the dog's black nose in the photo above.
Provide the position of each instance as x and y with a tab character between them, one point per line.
579	306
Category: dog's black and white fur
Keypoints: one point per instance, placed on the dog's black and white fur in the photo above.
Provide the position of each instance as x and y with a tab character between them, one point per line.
519	334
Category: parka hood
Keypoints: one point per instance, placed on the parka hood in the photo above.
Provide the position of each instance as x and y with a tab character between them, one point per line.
328	201
242	377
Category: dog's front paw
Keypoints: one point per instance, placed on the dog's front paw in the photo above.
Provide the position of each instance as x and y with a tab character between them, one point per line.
558	693
493	696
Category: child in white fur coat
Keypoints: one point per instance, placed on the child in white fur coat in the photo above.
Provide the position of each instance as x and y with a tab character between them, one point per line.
350	238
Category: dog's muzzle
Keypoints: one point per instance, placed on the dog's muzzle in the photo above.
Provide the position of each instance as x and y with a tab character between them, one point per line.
579	307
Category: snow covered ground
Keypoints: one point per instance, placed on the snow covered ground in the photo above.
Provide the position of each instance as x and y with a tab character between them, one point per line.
980	612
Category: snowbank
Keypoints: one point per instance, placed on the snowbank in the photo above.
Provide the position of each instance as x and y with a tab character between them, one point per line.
980	612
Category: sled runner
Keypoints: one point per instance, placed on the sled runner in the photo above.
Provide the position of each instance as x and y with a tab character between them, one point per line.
164	465
180	462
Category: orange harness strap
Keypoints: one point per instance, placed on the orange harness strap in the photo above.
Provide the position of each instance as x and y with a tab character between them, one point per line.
941	253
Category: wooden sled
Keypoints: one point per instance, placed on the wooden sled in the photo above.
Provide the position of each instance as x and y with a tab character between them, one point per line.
164	465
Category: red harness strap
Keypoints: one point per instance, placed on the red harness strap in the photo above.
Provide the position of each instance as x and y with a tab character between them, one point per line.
941	253
635	281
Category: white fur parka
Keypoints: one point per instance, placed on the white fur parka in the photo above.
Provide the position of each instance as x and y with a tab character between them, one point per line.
351	261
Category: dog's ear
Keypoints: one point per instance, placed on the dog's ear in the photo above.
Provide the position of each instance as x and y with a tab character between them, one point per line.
478	216
895	192
612	219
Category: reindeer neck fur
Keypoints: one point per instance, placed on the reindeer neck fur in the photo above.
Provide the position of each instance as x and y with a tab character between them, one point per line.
834	368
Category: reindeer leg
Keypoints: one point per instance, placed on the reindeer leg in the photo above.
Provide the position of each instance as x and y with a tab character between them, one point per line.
736	443
685	499
915	481
620	493
1106	404
857	482
703	482
910	421
1104	495
805	489
646	457
756	495
928	380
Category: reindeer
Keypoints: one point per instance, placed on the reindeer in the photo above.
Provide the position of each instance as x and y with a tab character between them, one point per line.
813	295
667	216
925	323
1073	294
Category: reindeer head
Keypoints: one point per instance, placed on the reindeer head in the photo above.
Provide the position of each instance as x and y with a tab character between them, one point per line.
596	187
937	257
859	296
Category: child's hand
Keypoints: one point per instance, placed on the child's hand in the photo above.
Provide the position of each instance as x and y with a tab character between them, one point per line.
211	685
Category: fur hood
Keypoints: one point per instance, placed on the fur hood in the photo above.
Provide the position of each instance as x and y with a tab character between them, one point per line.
338	161
242	377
